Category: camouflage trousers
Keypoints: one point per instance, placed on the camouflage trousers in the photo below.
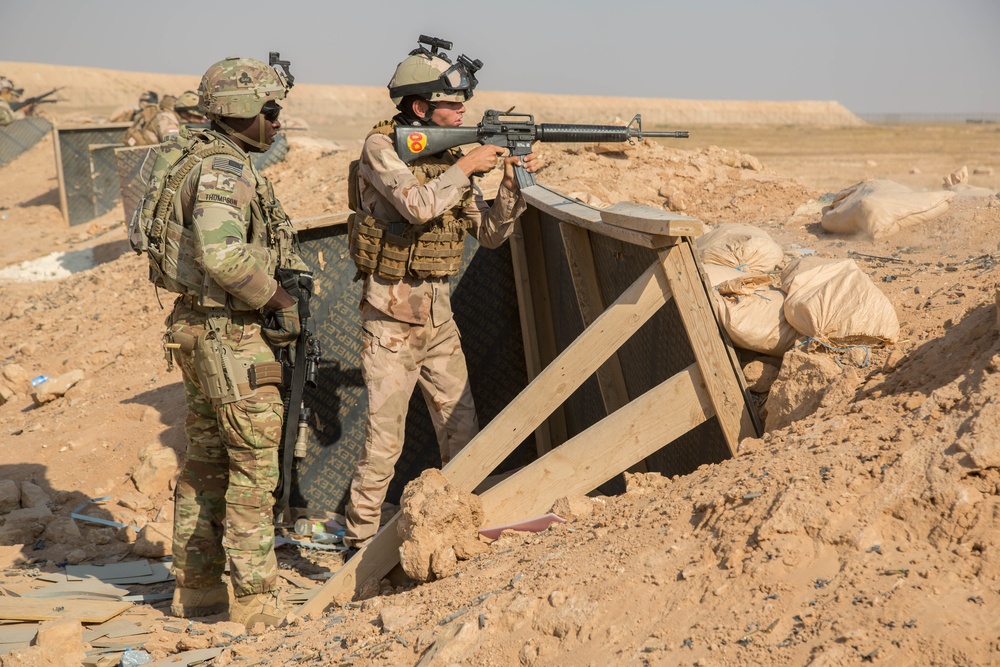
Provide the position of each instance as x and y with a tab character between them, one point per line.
230	468
395	357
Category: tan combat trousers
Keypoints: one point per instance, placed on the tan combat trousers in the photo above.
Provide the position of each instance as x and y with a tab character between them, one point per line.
396	357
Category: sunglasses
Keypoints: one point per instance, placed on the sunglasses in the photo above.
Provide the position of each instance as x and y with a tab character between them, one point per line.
270	114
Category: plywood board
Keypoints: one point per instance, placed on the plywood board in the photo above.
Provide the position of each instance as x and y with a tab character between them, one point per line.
85	611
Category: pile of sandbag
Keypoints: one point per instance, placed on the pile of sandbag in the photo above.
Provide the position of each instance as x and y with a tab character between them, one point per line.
827	300
881	208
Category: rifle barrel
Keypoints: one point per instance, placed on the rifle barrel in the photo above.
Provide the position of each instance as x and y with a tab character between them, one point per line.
596	133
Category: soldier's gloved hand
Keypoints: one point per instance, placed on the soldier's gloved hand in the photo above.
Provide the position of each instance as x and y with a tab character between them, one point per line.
282	325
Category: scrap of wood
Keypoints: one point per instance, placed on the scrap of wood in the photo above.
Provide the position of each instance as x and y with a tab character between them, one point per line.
535	525
12	555
85	611
86	589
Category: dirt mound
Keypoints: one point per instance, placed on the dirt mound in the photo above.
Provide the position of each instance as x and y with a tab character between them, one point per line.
345	111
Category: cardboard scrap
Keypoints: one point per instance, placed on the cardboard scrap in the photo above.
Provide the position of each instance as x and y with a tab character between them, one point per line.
114	572
113	629
188	658
536	525
18	632
85	589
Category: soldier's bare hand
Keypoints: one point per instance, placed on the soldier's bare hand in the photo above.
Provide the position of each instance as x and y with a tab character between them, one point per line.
480	159
529	162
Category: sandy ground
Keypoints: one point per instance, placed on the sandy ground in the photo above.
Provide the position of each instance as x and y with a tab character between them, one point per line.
864	532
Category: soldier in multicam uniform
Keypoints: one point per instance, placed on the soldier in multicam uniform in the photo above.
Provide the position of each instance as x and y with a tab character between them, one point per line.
8	94
231	325
407	234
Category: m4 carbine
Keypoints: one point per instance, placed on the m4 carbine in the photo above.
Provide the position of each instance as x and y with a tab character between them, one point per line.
515	132
17	105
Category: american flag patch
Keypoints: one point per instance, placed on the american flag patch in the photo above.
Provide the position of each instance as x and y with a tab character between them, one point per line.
228	165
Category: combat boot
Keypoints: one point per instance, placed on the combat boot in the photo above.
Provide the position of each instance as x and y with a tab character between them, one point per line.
193	602
257	608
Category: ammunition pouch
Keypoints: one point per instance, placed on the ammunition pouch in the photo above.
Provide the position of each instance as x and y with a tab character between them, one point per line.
225	379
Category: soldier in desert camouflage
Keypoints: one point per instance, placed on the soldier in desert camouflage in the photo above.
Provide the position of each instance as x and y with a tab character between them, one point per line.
8	94
229	328
174	113
407	234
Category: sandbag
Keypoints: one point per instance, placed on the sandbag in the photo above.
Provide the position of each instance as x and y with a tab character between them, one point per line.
836	303
757	322
740	246
727	280
881	208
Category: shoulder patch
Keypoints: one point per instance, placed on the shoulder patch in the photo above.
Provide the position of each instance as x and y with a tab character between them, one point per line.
228	165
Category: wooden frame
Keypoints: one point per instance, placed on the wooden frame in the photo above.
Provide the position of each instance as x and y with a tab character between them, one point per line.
713	386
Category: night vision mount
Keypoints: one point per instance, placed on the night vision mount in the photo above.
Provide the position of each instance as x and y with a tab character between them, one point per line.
275	61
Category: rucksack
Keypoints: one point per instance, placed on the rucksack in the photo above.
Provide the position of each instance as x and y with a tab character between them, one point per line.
157	226
136	135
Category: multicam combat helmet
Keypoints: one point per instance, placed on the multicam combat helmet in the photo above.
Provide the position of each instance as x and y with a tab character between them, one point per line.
187	102
239	88
430	74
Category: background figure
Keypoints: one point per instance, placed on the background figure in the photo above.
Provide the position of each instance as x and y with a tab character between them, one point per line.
407	235
229	317
8	94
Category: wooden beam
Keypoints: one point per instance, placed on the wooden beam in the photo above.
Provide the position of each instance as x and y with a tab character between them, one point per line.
731	409
610	446
651	220
524	414
529	330
577	213
317	221
580	258
60	178
545	333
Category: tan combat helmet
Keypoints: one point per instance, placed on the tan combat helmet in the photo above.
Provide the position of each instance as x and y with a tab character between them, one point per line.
240	87
430	74
7	89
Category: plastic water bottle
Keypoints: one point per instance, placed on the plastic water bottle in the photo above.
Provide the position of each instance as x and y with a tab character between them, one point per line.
134	657
308	527
35	381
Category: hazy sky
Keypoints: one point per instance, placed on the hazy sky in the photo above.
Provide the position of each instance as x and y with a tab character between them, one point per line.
916	56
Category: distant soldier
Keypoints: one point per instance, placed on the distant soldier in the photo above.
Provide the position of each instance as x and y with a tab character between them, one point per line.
182	112
8	94
141	132
187	109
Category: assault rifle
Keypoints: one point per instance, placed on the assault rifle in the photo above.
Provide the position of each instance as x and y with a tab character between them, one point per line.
515	132
37	99
299	362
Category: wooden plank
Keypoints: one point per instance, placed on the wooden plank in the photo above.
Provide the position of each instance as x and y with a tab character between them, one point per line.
524	414
318	221
85	611
545	333
610	446
60	178
526	312
696	312
580	257
562	208
583	271
649	220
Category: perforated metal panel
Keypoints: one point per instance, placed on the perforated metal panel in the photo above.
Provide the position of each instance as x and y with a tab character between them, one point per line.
485	305
81	202
21	135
